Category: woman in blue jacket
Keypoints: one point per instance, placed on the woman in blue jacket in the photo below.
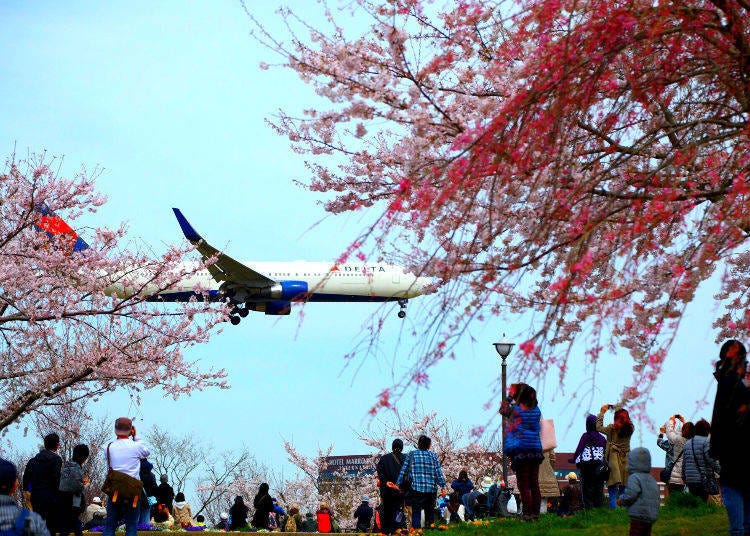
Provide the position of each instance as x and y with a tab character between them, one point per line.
523	445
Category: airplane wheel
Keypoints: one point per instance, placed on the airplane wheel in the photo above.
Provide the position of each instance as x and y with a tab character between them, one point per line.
402	314
243	312
234	319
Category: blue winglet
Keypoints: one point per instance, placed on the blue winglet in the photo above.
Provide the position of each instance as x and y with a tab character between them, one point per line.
187	229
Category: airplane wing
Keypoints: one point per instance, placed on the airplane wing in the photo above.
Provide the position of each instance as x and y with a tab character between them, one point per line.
225	268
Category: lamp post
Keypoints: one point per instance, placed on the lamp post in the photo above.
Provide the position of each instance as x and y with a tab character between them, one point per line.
503	349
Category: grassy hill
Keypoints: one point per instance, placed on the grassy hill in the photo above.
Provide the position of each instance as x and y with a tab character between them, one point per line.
684	516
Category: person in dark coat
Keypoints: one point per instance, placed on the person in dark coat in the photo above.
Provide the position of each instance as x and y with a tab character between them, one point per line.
589	459
238	514
462	484
730	434
309	524
42	479
388	468
149	488
363	514
571	499
697	466
165	493
263	506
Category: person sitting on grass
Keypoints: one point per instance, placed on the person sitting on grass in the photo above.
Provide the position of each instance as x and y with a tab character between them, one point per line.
641	494
571	501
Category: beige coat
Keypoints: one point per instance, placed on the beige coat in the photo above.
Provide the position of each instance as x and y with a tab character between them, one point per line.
616	453
182	514
548	486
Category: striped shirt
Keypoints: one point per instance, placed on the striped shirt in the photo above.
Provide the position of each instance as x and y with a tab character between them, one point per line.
9	512
424	469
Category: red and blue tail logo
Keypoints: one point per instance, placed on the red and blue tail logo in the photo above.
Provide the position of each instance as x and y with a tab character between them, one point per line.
54	225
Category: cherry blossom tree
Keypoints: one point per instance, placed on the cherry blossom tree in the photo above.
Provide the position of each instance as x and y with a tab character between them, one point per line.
580	163
76	324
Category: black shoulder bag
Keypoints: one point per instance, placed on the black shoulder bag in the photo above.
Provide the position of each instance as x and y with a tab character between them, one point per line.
666	473
708	483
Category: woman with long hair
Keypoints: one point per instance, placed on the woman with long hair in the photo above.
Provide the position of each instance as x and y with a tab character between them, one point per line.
523	445
263	505
238	514
730	433
618	446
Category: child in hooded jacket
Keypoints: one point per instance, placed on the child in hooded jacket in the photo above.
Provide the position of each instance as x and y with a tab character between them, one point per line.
641	494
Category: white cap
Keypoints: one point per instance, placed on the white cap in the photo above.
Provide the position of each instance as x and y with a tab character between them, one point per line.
223	515
96	500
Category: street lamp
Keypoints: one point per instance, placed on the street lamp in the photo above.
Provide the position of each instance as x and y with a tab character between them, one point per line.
503	349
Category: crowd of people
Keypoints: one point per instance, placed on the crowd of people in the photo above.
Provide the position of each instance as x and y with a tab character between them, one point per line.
708	460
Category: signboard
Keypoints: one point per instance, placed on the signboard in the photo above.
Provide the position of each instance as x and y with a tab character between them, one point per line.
353	464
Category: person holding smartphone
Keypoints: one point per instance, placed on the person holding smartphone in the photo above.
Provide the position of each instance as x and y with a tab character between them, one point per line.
523	445
618	446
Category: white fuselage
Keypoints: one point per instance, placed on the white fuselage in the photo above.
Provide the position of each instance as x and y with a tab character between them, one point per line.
326	281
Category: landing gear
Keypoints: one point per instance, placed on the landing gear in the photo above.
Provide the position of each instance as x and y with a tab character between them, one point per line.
402	304
237	314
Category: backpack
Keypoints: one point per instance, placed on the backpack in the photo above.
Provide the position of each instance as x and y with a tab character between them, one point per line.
290	525
19	526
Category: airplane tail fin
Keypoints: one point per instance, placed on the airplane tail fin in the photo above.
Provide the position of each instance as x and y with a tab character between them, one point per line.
55	226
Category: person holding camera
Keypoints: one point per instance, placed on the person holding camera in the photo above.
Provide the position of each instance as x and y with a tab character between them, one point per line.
124	455
522	443
618	446
678	436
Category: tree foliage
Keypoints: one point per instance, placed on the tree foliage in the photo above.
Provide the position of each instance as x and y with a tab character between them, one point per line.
585	161
65	334
344	492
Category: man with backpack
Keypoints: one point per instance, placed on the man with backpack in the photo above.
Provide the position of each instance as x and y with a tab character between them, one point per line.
14	520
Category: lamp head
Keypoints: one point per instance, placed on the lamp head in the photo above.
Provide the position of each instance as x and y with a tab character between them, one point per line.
504	347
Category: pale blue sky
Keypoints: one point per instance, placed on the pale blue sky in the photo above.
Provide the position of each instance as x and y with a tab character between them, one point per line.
168	98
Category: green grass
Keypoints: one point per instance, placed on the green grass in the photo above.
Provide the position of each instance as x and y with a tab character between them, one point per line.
681	516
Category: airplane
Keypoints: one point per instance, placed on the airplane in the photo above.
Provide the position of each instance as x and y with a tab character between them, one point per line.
272	287
269	287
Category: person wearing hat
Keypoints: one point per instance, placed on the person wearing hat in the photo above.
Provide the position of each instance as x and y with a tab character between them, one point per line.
363	514
293	521
165	493
124	455
223	518
12	517
94	514
571	501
